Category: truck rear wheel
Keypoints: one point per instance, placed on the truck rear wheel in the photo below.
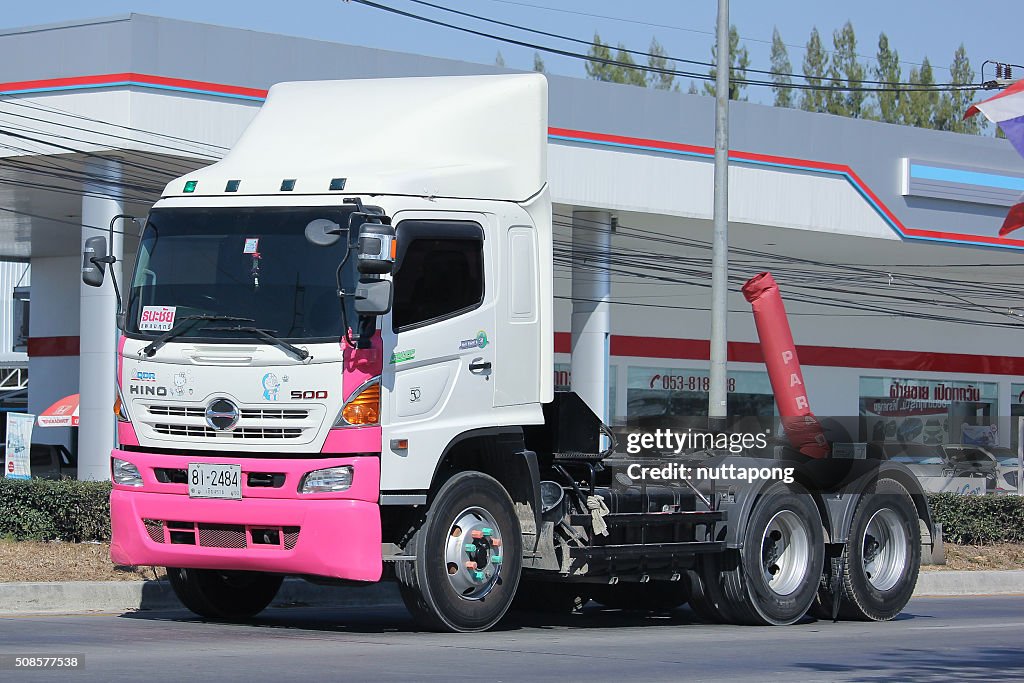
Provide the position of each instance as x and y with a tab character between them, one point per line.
651	596
224	595
468	557
882	557
774	578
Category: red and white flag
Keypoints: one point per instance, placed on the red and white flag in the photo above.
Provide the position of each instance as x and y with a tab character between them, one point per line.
1006	110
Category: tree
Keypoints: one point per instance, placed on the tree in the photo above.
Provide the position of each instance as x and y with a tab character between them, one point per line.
952	105
847	66
621	68
659	80
538	63
888	69
499	60
781	68
739	61
692	90
918	106
598	67
815	66
627	71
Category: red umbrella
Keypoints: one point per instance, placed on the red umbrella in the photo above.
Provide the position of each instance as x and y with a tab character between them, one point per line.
63	413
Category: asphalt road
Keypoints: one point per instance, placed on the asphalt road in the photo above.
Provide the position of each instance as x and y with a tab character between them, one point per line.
936	639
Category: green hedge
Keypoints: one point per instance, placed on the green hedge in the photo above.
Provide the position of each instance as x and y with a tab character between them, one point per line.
979	520
42	510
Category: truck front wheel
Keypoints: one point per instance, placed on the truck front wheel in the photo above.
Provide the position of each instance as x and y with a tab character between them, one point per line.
224	595
468	557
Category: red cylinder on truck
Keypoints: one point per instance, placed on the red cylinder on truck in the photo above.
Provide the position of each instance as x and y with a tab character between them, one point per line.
802	428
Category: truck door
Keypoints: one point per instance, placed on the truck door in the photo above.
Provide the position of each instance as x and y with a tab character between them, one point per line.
438	377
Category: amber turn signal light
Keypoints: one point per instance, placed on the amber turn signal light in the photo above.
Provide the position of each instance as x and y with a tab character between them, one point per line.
364	407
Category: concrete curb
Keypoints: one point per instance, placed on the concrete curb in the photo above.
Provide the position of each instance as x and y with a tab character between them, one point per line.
126	596
970	583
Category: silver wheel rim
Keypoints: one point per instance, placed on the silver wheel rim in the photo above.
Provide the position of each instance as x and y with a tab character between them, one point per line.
884	549
785	552
473	553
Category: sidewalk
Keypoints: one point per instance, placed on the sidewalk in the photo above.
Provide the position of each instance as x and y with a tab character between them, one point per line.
123	596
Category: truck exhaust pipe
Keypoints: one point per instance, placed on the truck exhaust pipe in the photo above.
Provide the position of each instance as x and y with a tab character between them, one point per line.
802	429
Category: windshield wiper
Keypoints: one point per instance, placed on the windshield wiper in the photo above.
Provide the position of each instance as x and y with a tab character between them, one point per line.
183	324
302	354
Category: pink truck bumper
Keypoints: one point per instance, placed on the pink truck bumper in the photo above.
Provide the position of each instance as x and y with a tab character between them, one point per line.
270	529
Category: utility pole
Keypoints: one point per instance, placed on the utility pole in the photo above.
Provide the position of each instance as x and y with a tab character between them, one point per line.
719	381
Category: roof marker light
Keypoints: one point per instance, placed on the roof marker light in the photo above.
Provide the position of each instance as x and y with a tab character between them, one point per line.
190	186
338	183
288	185
232	186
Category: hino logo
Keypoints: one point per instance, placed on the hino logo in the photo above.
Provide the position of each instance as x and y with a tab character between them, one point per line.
141	390
222	414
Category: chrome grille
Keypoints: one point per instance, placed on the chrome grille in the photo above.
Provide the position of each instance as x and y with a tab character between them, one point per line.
273	414
238	433
175	411
272	424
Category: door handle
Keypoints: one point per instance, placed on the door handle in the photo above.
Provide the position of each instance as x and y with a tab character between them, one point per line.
478	365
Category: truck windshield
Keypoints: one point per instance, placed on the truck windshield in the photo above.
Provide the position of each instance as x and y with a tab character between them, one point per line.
252	263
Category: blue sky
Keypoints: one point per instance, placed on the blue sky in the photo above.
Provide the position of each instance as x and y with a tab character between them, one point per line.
685	27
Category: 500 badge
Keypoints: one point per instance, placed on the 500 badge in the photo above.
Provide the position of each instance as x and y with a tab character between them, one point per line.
308	395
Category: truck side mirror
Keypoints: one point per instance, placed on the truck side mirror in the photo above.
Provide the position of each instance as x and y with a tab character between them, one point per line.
92	268
376	248
322	232
373	297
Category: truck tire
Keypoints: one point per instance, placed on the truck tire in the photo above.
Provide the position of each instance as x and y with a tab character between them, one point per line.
706	597
224	595
773	579
882	558
549	597
468	557
650	596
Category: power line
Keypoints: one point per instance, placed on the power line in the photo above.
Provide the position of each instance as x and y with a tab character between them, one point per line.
649	55
681	28
654	69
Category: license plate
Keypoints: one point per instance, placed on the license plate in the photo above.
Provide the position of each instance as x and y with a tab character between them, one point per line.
214	481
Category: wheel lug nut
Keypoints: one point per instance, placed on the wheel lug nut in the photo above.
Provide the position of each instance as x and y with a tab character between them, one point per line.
488	531
496	559
476	533
471	565
470	547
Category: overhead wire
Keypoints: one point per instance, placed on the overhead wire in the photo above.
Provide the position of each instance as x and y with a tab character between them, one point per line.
662	70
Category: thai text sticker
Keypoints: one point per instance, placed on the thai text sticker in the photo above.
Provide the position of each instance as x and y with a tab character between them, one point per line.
157	318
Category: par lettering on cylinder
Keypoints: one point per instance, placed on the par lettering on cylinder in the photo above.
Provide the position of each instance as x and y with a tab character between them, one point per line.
779	350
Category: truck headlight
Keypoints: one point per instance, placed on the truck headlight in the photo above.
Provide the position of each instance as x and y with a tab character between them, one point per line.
330	480
125	473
